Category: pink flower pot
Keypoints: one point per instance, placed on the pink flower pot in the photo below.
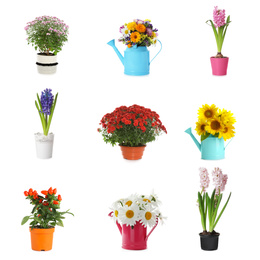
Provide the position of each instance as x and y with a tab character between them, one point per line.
134	238
219	66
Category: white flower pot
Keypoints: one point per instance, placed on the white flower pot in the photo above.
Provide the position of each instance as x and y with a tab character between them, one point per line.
46	64
44	145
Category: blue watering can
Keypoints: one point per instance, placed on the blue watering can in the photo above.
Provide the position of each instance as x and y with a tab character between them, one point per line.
212	148
136	60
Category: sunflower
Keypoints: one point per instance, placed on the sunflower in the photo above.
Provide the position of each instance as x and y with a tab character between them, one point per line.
228	132
214	126
207	112
140	28
200	127
135	37
131	26
226	116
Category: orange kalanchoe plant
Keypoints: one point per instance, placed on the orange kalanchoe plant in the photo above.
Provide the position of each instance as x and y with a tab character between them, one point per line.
45	212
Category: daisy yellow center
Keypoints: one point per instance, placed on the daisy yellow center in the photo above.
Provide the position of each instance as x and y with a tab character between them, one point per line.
126	31
146	200
129	203
208	114
148	215
116	213
129	214
215	125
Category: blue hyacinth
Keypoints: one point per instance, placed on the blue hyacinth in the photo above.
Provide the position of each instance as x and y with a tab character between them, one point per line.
46	101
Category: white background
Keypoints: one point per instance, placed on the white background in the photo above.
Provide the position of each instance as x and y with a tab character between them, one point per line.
90	174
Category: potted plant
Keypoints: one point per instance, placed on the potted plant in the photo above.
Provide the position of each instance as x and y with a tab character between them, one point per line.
45	106
44	217
135	213
48	35
132	128
208	206
219	63
214	126
137	36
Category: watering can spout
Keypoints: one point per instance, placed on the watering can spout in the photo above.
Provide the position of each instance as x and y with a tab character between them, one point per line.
112	44
188	131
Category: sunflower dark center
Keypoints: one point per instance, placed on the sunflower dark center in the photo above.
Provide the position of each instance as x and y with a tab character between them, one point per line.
208	113
215	125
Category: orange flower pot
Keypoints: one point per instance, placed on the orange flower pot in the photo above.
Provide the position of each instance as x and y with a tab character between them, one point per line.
132	153
42	239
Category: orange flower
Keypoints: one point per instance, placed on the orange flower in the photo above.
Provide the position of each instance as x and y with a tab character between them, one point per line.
135	37
44	192
55	202
54	191
140	28
26	193
50	191
59	197
129	45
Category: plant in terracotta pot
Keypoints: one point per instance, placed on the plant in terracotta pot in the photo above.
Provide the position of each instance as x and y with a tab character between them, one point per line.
44	217
45	106
214	126
135	213
132	128
47	34
219	63
209	206
137	35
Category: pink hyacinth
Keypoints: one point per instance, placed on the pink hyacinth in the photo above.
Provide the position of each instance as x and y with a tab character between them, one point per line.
219	17
204	179
219	180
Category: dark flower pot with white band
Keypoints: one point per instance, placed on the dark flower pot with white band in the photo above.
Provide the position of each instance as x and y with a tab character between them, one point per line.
46	64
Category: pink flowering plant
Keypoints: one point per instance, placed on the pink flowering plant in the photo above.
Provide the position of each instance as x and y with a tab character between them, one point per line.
47	34
219	26
209	206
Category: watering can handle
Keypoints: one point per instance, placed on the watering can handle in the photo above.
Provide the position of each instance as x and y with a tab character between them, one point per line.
228	143
118	225
157	52
152	230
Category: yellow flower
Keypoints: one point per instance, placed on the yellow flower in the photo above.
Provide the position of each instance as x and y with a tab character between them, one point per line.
207	112
228	132
147	20
200	127
214	126
135	37
140	28
226	117
131	26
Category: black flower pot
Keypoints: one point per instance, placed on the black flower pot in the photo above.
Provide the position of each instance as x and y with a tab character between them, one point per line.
209	242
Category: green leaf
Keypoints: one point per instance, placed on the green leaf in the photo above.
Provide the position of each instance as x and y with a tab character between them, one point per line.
214	30
25	219
60	223
203	137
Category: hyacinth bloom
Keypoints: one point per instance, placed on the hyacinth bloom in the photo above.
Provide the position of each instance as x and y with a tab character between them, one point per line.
208	206
219	26
45	107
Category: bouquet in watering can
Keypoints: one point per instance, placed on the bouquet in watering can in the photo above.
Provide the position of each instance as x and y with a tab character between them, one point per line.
216	122
139	32
137	208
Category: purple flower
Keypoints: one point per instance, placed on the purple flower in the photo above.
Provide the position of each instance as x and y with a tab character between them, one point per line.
149	31
46	101
122	27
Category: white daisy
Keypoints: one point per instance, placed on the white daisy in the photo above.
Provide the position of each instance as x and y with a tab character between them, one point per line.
154	199
148	216
129	214
125	31
133	199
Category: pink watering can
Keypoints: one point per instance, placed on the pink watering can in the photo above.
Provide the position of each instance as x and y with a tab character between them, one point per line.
134	238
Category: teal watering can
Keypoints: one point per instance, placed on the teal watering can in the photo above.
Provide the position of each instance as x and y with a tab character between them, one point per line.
136	60
212	148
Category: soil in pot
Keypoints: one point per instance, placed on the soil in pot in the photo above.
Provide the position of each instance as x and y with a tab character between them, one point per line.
42	238
209	240
132	153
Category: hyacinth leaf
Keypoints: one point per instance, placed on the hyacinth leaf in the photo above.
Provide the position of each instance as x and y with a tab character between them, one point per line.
216	209
51	114
201	208
226	25
214	30
39	101
41	116
222	211
209	207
